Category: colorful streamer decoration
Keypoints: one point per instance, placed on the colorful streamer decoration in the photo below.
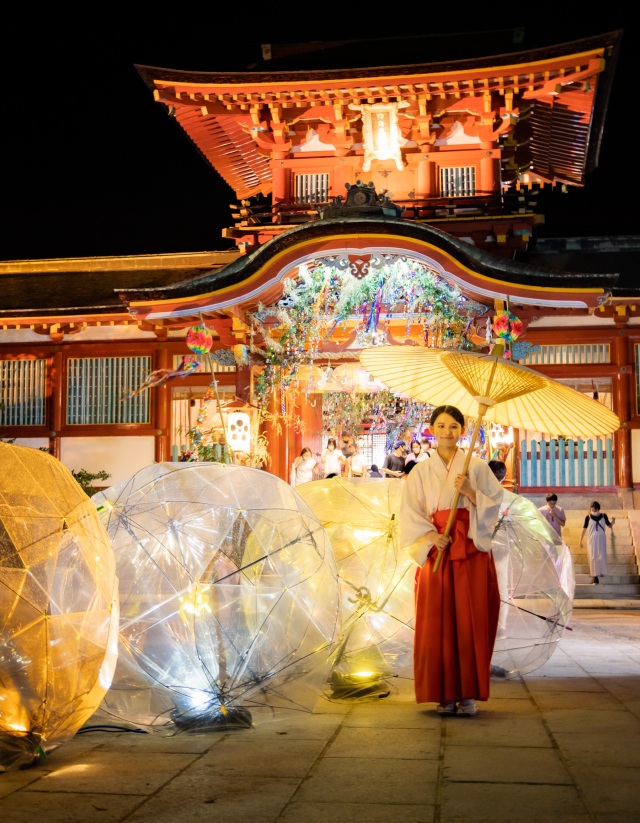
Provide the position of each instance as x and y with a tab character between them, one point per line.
188	365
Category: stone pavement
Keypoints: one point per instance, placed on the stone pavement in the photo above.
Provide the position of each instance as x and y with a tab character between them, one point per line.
561	744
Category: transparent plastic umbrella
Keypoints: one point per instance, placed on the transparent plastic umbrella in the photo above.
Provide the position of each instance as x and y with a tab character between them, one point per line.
360	516
230	604
58	606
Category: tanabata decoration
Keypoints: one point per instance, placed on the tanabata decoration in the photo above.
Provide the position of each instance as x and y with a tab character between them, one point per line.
188	365
199	339
376	581
537	584
58	606
507	326
230	601
361	517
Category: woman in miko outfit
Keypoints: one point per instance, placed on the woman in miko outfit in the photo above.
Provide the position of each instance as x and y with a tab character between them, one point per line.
457	606
594	528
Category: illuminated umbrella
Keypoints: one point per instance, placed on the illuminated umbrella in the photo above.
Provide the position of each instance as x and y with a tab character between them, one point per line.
58	606
360	517
488	386
230	602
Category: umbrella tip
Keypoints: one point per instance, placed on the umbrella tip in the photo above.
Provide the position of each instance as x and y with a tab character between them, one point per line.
497	350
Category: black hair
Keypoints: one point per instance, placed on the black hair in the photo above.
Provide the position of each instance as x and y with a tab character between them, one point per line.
451	410
595	505
498	468
409	466
551	496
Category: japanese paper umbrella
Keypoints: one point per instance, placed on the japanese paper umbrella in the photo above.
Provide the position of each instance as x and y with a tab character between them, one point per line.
488	386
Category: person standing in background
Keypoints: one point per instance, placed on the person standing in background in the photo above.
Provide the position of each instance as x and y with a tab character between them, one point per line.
416	454
355	463
302	468
393	465
553	514
594	528
332	459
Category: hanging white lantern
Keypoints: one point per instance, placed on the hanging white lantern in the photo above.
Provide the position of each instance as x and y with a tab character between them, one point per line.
239	431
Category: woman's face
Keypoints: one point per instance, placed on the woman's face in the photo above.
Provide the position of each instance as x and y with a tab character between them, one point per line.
415	447
330	446
446	430
306	453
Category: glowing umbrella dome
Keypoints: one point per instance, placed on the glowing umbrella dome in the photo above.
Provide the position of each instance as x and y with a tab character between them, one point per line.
58	606
230	597
376	578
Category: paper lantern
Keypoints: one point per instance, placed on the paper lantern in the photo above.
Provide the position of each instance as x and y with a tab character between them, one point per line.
58	606
230	598
199	339
238	431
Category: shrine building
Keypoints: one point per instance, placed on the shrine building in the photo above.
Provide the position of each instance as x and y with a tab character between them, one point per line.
422	178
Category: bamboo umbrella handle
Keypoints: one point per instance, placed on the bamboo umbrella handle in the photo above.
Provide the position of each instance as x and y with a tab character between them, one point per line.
454	505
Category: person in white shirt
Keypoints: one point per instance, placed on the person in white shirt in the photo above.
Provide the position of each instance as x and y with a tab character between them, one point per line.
355	463
416	454
302	468
332	459
553	514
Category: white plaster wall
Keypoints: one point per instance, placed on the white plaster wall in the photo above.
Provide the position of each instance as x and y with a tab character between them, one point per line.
120	456
32	442
635	455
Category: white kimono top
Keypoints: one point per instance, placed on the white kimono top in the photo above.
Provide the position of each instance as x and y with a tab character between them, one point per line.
429	488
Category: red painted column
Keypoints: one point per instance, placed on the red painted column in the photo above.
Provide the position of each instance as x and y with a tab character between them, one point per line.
56	401
622	393
162	411
488	169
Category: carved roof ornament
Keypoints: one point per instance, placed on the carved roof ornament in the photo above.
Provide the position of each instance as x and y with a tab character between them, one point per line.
361	199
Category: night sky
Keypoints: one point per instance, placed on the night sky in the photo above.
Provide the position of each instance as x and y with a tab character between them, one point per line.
93	165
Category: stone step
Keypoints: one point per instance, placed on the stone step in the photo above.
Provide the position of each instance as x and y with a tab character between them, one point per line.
584	578
603	591
623	580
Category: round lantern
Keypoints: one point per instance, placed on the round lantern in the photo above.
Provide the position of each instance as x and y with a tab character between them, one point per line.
199	339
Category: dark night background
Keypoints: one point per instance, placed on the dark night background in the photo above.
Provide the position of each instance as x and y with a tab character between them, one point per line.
94	166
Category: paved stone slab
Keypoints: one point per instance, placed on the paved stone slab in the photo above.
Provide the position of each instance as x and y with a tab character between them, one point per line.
383	743
357	813
502	764
517	803
370	780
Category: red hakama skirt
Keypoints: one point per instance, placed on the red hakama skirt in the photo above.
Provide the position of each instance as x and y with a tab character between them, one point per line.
457	611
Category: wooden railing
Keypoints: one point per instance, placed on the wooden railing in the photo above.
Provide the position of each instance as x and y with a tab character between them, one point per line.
557	463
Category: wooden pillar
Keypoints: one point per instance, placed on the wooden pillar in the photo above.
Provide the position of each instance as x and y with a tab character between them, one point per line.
425	183
279	177
489	165
622	394
162	411
56	403
280	438
311	417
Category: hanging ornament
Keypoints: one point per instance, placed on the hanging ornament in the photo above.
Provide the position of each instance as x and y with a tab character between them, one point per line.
507	326
199	339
